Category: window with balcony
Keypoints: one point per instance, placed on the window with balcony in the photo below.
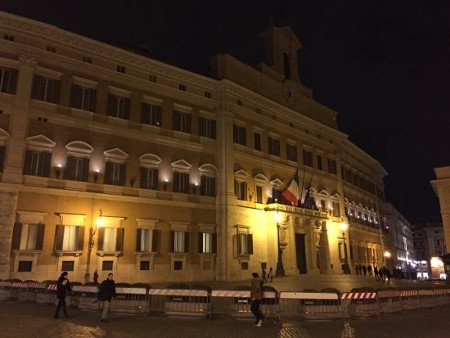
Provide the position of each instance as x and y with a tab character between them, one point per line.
207	127
182	121
149	178
115	173
83	98
8	80
151	114
239	135
208	186
240	190
181	182
118	106
45	89
77	169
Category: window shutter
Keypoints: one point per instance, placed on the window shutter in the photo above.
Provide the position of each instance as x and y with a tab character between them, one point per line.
69	172
176	121
12	81
56	88
35	87
138	240
59	236
39	236
123	168
172	241
156	234
108	173
186	241
119	239
155	178
214	243
188	123
126	114
17	233
46	165
213	129
143	180
75	97
176	182
250	244
92	99
112	105
27	164
80	238
100	238
200	242
2	157
85	169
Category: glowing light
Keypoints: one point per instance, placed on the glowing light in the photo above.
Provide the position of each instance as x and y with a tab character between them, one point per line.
277	217
59	165
387	254
343	226
436	262
100	221
97	171
166	180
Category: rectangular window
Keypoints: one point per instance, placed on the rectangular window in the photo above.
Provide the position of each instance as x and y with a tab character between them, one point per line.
178	241
70	238
274	146
68	266
243	244
181	121
178	265
319	162
144	240
118	106
276	193
37	163
291	152
121	69
181	182
208	186
109	239
77	169
208	95
307	158
31	237
239	135
206	242
259	194
332	167
323	205
8	80
45	89
83	98
336	209
257	141
182	87
145	265
207	127
107	265
115	173
244	265
25	266
240	190
149	178
151	114
355	179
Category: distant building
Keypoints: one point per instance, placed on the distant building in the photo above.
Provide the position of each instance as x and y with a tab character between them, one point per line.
428	240
441	186
398	239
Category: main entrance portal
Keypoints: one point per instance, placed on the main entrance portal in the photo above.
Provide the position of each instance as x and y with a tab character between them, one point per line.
300	252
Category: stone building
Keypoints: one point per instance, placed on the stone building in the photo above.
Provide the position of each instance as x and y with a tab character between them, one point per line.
115	161
428	240
441	186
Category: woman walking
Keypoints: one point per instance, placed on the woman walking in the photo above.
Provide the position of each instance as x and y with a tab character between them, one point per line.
63	287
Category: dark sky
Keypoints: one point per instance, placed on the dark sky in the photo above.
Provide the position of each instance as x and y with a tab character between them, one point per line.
383	65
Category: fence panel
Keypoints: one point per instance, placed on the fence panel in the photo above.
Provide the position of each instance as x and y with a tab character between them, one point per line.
362	304
47	296
87	297
389	301
311	306
7	291
179	302
410	299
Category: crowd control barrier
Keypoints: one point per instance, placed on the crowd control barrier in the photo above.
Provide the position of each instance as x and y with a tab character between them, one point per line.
87	297
389	301
440	296
47	295
130	300
179	302
311	306
361	304
426	298
410	299
7	291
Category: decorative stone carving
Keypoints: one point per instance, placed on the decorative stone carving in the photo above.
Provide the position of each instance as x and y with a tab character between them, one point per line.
27	58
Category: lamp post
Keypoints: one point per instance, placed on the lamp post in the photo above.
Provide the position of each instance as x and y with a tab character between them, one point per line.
92	230
345	266
279	272
386	255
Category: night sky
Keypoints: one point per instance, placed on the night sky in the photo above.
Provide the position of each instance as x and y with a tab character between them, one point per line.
384	66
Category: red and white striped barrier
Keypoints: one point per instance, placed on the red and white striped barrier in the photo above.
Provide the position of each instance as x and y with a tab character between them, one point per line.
33	285
19	285
178	292
52	287
440	291
388	293
5	283
409	293
308	295
359	295
241	294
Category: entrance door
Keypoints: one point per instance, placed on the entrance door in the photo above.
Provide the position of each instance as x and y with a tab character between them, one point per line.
300	252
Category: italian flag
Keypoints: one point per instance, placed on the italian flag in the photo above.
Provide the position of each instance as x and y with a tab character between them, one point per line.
292	193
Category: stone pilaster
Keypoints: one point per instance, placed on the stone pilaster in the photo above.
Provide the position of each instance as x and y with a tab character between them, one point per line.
8	204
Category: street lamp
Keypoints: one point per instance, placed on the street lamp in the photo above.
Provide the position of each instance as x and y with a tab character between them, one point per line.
92	230
386	255
345	266
280	269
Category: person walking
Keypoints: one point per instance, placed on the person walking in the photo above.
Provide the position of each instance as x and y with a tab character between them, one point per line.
270	275
95	277
256	297
264	278
106	292
62	288
375	271
364	270
369	270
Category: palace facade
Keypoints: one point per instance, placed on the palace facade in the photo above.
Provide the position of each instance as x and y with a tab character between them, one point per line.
112	160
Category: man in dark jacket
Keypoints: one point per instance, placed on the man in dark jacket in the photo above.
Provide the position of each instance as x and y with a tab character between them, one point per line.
256	298
63	287
106	292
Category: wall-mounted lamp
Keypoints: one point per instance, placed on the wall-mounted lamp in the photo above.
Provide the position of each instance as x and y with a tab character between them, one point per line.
194	189
58	170
165	184
96	175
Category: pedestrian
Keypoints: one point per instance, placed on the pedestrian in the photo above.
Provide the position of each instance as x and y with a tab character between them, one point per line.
95	277
375	271
270	275
106	292
364	270
369	270
256	297
357	269
264	278
62	288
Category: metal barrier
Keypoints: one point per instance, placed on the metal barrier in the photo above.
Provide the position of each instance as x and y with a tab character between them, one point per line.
179	302
361	304
389	301
87	297
6	291
222	301
47	296
130	300
311	306
426	298
440	296
410	299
